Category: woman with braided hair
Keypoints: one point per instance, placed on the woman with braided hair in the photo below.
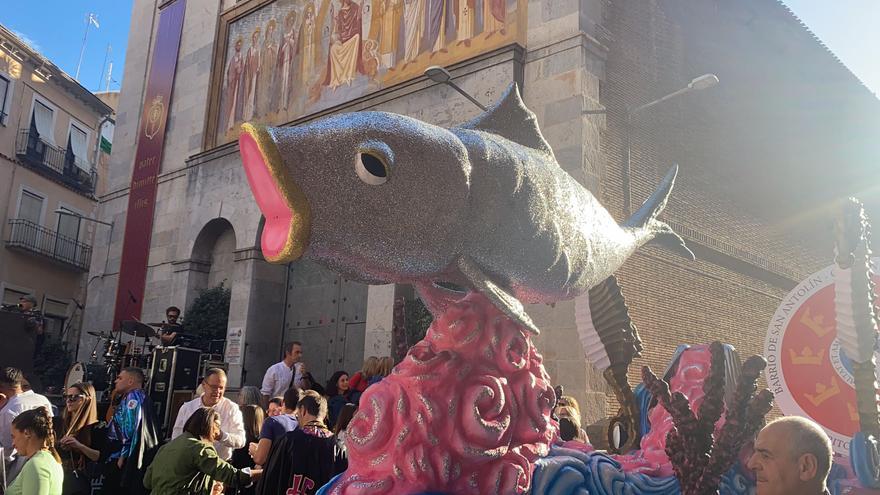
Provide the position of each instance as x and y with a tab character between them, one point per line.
34	438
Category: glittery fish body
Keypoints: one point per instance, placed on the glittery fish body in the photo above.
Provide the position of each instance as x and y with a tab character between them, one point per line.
383	198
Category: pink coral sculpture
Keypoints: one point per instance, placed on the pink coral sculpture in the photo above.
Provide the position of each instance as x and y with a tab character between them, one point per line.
466	412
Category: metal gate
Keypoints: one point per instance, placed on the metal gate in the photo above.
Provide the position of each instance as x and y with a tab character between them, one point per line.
327	313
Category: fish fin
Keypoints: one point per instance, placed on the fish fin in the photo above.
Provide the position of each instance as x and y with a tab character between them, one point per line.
646	218
502	299
609	316
436	298
510	118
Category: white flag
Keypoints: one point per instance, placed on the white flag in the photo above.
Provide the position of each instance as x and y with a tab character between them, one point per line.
93	19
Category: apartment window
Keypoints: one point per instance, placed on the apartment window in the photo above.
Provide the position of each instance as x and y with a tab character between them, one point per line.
68	225
55	315
11	296
66	247
41	121
77	146
30	207
4	98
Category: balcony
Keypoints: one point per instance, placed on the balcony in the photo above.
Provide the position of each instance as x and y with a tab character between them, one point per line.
27	236
54	162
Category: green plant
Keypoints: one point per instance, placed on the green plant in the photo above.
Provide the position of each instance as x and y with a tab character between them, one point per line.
209	313
418	319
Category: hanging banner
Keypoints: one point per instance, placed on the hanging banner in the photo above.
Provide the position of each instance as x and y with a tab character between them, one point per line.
808	371
148	158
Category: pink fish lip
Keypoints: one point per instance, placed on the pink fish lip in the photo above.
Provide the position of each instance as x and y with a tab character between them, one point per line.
286	210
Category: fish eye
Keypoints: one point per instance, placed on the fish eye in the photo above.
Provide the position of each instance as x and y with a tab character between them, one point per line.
371	168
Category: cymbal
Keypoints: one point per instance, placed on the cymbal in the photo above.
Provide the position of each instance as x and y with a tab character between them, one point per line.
100	334
155	324
137	329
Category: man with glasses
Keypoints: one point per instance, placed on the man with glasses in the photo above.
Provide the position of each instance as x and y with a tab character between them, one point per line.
169	331
232	435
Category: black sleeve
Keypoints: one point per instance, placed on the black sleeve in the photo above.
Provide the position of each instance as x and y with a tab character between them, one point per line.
276	472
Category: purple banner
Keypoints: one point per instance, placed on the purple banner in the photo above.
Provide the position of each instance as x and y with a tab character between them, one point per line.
148	158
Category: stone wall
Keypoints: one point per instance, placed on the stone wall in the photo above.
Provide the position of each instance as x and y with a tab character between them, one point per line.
560	73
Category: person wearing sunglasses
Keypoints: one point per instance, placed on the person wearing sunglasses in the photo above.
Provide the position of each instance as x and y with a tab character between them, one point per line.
78	426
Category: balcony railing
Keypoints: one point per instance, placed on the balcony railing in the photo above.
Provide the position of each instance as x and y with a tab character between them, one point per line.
54	162
28	236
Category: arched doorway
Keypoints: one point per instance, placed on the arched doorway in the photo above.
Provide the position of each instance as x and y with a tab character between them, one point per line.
214	247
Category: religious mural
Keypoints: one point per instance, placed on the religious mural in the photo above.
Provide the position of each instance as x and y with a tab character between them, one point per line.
291	58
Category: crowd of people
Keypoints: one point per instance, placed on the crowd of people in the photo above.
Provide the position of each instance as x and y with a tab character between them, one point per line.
287	437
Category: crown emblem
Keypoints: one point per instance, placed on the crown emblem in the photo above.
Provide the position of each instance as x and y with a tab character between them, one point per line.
824	392
806	357
853	414
154	117
815	323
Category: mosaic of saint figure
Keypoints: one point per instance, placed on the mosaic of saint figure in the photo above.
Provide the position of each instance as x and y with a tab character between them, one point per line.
411	27
390	15
286	62
465	21
306	47
344	60
232	90
493	16
251	76
267	92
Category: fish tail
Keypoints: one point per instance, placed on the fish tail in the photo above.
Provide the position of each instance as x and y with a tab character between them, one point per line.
655	231
666	237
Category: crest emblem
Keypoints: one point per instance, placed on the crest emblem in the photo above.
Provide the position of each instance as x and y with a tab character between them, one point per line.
154	117
807	367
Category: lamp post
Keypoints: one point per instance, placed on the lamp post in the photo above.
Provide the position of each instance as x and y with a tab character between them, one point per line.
442	76
705	81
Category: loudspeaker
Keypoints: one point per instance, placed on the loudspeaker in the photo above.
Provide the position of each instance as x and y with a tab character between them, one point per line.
175	369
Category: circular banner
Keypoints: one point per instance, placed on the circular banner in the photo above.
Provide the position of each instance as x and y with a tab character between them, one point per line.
807	370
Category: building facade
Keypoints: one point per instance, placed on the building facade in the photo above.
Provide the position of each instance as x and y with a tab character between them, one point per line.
50	162
581	66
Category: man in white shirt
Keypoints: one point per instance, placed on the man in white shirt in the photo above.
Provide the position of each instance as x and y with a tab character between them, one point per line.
232	434
278	377
17	402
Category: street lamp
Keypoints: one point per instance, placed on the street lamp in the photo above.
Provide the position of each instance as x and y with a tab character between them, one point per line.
699	83
442	76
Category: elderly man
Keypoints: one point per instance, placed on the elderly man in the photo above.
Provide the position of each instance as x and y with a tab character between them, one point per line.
232	434
792	456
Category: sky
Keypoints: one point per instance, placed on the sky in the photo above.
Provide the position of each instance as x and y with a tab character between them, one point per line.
850	29
56	27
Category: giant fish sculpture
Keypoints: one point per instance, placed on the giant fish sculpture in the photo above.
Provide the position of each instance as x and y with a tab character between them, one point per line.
384	198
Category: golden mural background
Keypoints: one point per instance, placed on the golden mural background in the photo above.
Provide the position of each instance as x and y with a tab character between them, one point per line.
283	59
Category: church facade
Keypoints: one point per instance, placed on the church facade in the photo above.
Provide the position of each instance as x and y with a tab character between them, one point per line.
582	66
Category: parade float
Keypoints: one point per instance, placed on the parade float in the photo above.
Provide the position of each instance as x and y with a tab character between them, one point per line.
485	208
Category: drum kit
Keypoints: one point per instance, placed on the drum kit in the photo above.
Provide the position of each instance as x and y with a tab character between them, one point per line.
111	354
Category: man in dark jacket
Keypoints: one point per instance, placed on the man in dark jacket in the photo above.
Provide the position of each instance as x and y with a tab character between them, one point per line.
302	461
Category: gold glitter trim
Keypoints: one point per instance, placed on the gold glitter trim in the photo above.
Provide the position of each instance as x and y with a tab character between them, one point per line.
301	212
